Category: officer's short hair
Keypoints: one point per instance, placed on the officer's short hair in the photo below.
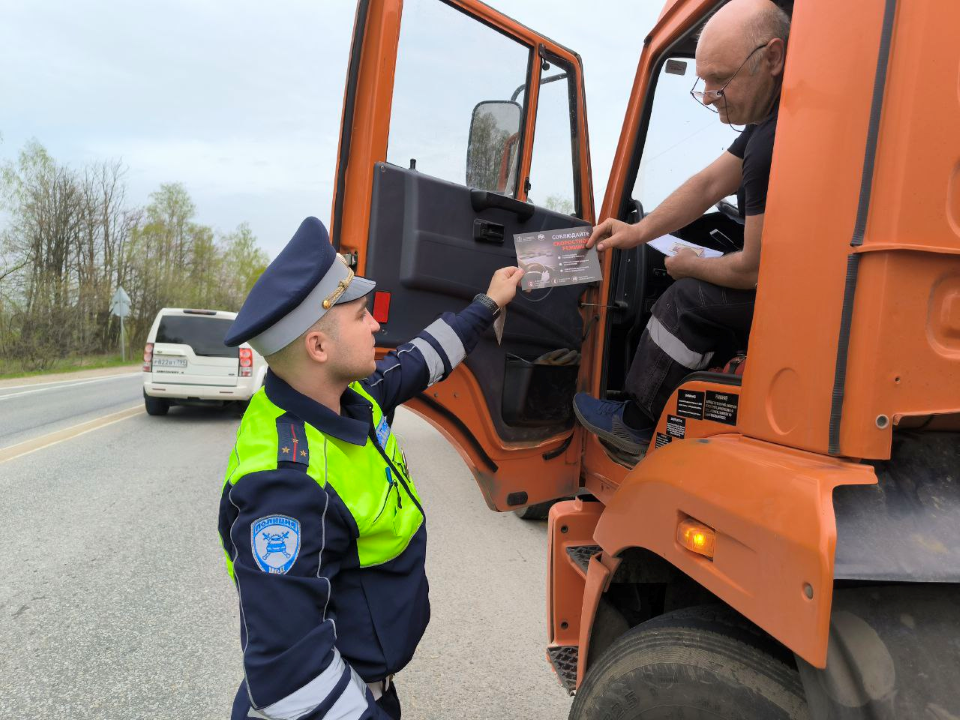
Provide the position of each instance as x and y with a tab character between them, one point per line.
328	325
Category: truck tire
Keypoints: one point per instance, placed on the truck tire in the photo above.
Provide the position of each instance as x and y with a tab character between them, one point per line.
535	512
155	406
691	666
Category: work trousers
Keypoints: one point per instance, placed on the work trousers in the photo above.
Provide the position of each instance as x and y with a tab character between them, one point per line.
695	325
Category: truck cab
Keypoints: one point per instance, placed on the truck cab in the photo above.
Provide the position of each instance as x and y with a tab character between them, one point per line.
796	520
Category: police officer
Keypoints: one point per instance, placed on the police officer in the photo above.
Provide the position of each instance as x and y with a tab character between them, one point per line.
321	523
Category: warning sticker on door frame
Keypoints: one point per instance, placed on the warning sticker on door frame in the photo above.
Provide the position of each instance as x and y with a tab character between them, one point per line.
690	404
676	427
721	407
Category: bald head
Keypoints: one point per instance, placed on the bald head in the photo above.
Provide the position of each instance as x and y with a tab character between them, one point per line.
740	26
740	56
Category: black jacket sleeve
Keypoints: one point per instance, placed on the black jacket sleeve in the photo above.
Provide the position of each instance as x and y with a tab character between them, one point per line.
429	357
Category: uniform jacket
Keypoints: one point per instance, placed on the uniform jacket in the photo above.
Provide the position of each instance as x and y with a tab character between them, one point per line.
325	534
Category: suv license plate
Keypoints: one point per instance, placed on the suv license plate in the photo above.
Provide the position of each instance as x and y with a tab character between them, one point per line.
170	362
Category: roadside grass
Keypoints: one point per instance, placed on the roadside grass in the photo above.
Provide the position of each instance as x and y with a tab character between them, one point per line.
68	364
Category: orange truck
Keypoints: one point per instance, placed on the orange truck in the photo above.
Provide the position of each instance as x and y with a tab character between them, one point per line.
792	548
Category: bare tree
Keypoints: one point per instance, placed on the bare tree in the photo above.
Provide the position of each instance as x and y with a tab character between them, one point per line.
72	240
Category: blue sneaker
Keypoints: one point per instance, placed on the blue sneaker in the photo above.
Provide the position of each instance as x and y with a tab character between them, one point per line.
604	418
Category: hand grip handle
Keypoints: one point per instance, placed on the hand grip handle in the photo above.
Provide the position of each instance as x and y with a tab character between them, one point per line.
484	200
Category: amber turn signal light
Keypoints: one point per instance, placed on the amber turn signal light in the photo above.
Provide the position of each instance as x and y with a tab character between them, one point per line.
697	537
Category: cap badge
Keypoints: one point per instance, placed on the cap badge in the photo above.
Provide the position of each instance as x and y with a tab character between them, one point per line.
341	287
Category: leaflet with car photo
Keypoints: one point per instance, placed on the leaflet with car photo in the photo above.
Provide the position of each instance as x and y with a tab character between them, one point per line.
550	258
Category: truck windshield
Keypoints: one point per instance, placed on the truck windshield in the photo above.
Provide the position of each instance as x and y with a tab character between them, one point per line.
682	137
203	334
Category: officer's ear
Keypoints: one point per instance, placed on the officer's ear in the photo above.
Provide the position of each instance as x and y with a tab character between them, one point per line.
317	345
319	339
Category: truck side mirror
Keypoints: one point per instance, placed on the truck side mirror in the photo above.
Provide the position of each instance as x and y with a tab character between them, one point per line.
493	146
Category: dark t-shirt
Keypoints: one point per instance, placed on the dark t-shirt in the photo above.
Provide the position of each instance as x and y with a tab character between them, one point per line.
755	148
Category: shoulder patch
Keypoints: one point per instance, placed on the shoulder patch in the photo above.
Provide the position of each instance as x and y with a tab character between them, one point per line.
275	540
292	440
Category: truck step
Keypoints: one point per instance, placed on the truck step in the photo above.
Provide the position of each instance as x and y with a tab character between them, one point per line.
581	554
564	661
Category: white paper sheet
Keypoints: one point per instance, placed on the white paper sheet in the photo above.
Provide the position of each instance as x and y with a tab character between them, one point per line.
498	324
668	244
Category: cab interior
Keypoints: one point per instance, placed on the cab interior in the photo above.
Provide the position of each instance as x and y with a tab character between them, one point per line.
639	276
444	209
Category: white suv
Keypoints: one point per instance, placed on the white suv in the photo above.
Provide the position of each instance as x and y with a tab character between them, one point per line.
186	363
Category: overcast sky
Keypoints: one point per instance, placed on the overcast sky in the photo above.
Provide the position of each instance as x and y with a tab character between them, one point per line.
241	101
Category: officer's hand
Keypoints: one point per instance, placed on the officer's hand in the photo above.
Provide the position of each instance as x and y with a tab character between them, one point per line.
612	233
503	285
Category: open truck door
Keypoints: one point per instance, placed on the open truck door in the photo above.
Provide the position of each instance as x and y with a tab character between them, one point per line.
460	128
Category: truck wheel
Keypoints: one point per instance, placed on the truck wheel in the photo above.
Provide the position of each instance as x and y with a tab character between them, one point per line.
535	512
155	406
685	666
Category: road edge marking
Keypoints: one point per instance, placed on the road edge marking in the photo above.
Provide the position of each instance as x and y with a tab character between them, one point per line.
65	380
44	441
61	385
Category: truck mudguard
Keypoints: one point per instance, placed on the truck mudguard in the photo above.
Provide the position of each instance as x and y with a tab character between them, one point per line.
772	511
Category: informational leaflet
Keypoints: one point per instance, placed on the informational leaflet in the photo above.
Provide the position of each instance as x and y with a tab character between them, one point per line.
550	258
669	245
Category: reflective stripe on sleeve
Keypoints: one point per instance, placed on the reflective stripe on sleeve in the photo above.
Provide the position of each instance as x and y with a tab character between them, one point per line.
316	691
675	348
434	363
449	341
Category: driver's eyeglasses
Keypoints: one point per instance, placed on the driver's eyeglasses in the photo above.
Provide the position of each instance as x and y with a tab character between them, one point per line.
711	96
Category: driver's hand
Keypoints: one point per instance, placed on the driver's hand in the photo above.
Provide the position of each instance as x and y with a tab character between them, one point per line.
682	264
503	285
612	233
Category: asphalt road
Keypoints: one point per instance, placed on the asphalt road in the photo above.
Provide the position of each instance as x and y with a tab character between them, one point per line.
114	602
31	410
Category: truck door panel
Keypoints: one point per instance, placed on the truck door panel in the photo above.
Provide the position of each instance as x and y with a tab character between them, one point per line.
468	128
424	252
